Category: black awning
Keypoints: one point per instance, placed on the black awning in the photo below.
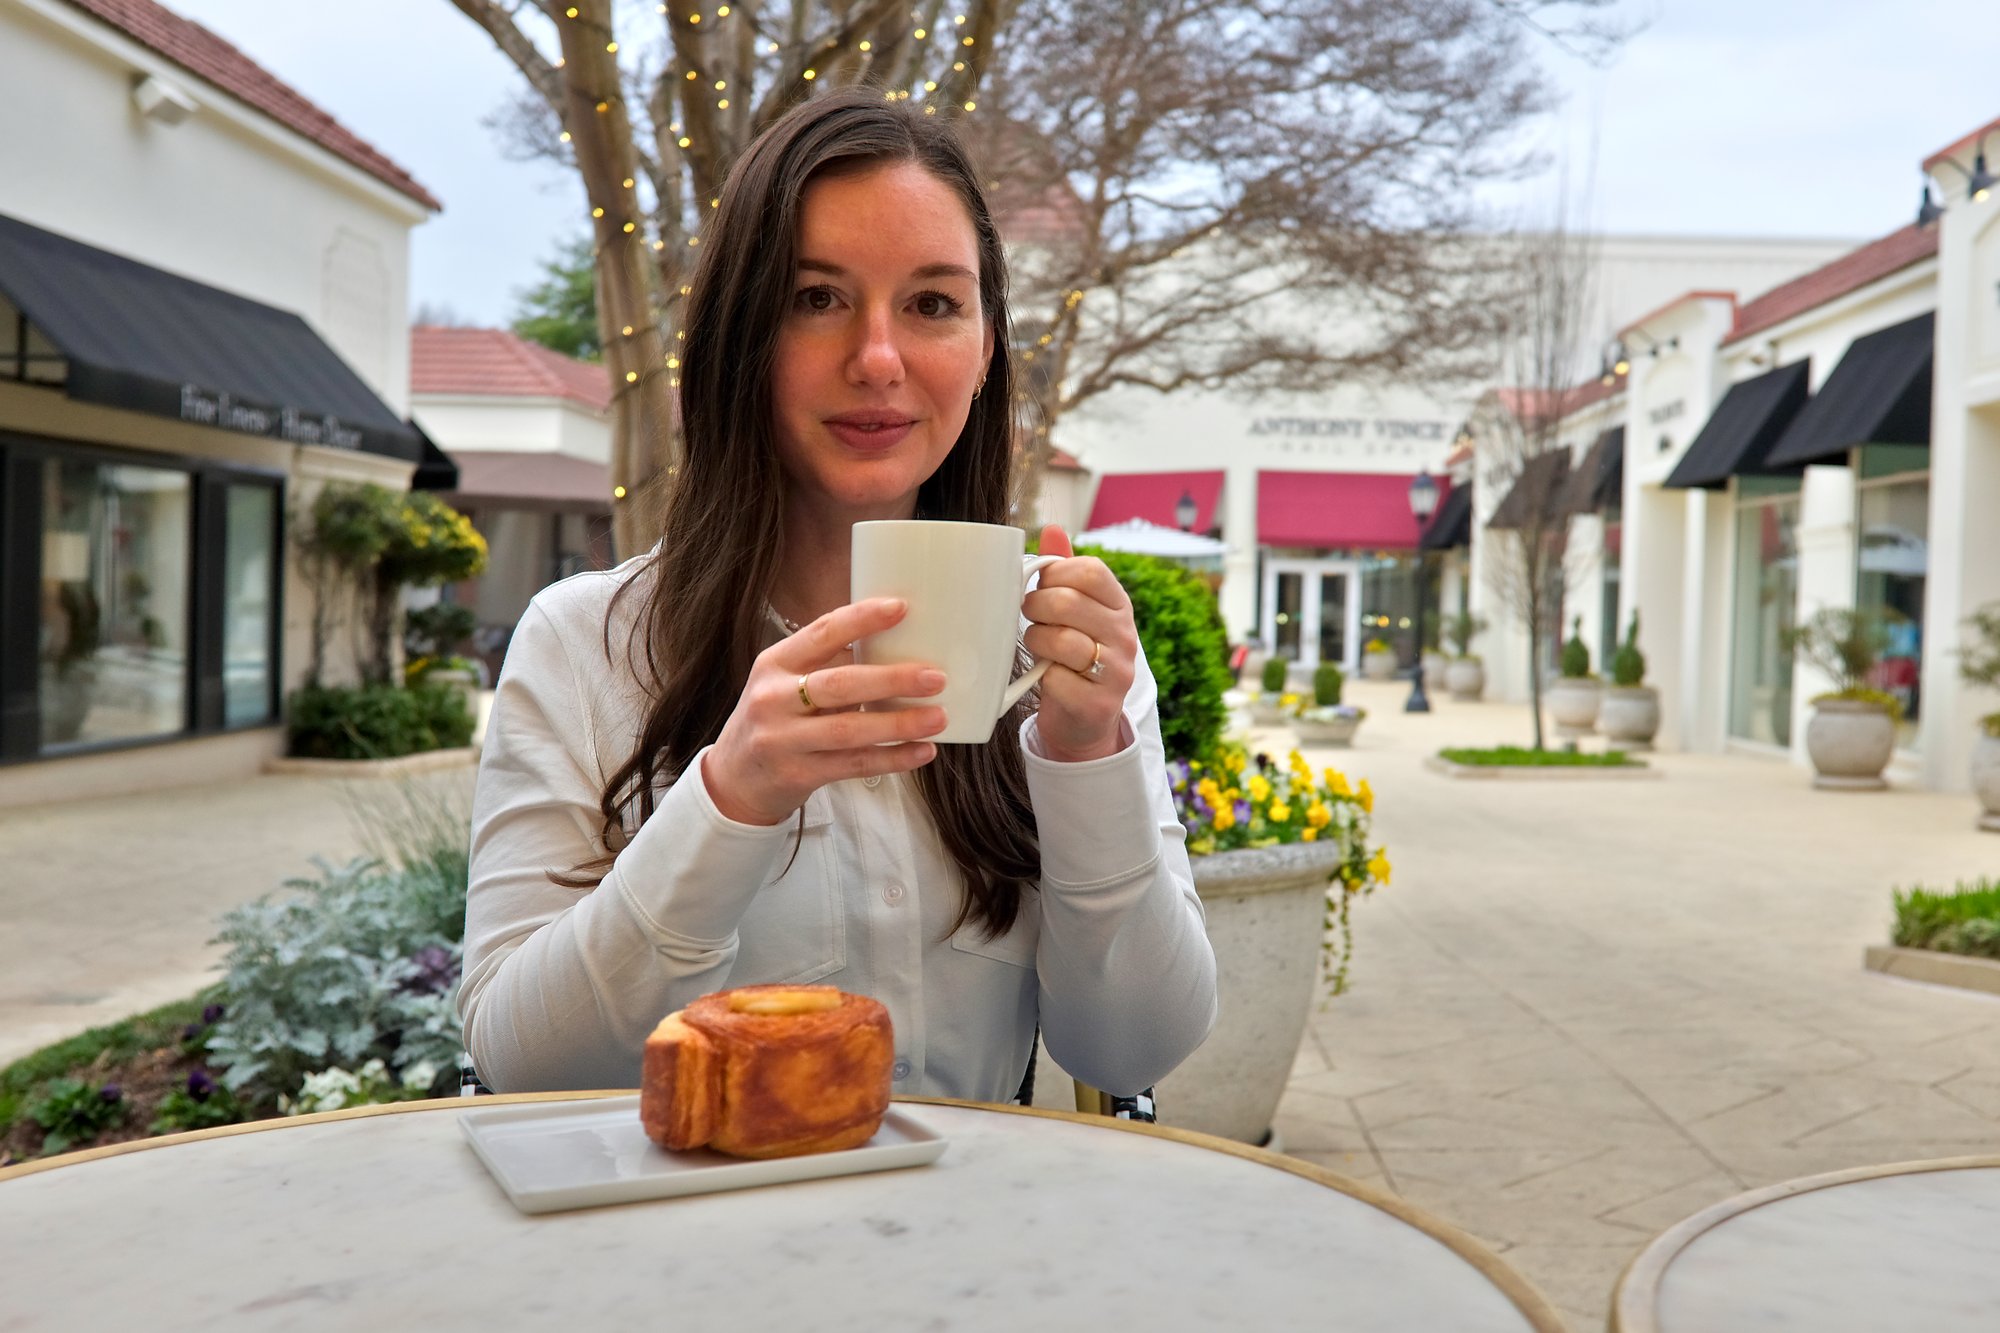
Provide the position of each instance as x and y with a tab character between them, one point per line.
1540	486
1451	526
1596	482
142	339
1880	393
1743	428
435	469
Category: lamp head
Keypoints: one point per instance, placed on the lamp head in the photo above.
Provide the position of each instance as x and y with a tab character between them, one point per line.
1982	182
1423	496
1185	512
1929	210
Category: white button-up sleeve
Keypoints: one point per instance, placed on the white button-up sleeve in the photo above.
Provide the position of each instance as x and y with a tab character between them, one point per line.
562	985
1127	976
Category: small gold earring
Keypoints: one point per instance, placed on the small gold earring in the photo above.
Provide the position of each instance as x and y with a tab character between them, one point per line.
979	386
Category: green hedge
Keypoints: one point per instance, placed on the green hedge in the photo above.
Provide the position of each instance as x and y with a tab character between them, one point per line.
376	721
1515	756
1181	627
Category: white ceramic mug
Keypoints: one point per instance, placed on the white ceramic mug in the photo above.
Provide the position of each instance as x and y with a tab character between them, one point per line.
964	583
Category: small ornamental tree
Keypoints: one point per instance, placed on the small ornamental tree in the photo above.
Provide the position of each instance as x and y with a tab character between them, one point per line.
1628	664
1274	675
1327	684
1980	658
1575	654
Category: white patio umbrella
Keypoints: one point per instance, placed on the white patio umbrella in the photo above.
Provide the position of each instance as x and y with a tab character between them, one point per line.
1140	537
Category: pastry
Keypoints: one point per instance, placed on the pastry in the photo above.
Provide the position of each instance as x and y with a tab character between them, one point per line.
768	1071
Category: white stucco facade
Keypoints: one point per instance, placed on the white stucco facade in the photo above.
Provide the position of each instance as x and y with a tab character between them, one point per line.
231	198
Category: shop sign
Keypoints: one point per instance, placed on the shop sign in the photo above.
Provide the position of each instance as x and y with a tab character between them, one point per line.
227	412
1666	412
1391	437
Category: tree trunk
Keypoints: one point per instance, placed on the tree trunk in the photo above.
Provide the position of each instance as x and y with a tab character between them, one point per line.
644	442
383	604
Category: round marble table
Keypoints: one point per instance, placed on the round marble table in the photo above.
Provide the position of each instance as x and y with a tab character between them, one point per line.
384	1218
1914	1245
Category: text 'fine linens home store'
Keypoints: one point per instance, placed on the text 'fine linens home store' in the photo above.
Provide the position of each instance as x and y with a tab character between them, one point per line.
175	369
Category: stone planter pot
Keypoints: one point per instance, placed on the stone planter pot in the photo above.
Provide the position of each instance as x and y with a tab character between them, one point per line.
1573	703
1436	667
1379	666
1850	742
1264	712
1465	678
1326	731
1266	909
1986	780
1630	716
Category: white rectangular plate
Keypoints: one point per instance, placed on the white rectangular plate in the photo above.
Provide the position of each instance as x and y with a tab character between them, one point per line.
549	1156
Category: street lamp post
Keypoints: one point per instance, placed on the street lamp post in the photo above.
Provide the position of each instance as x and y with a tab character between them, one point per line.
1186	511
1423	503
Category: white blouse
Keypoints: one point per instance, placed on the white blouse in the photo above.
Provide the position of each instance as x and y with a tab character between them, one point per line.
562	985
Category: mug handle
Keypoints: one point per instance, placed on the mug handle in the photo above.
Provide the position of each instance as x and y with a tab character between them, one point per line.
1027	679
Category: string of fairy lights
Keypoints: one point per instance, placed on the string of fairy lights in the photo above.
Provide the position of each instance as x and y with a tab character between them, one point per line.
683	140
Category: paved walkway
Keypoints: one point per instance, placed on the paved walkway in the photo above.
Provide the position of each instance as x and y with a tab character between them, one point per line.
1581	1011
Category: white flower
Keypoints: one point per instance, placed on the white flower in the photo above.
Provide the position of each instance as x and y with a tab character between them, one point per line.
419	1076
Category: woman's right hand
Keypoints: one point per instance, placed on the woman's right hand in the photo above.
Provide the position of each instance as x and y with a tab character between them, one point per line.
773	752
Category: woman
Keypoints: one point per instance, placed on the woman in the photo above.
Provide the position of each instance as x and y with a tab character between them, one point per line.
680	790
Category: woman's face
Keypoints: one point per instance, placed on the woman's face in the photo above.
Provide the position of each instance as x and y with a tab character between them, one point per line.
883	342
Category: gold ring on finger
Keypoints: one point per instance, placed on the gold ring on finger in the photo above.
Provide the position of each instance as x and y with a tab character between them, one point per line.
805	695
1096	667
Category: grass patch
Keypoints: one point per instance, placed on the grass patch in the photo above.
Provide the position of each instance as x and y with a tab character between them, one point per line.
102	1048
1965	920
1515	756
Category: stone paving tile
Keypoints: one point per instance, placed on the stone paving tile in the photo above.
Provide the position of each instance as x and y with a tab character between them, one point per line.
1577	1279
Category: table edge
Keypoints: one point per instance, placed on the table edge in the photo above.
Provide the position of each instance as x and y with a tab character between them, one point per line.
1526	1299
1635	1297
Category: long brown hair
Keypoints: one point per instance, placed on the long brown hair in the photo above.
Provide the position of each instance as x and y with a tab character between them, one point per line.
724	539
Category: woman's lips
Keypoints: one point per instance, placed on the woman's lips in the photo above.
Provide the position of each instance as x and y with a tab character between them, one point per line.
871	434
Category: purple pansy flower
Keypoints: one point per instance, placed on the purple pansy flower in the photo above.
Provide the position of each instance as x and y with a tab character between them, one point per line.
212	1013
200	1085
111	1092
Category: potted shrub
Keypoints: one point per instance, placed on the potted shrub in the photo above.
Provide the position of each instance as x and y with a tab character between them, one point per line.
1327	721
1852	734
1465	676
1575	696
1980	666
1378	660
1268	708
1278	856
1630	715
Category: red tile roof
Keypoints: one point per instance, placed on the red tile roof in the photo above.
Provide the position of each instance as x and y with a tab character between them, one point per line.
503	364
1525	403
1960	145
1699	294
1061	461
205	55
1851	272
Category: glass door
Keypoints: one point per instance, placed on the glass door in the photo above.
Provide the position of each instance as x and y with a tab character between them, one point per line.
1333	608
1311	614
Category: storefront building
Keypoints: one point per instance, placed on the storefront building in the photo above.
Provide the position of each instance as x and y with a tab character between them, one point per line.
1832	443
1311	492
177	369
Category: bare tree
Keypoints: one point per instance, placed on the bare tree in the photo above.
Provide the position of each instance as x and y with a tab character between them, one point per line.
1196	185
1203	170
650	123
1520	449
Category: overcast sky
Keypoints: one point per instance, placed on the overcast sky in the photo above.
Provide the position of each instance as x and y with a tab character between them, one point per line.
1721	117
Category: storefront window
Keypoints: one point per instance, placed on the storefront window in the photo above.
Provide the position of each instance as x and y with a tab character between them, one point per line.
114	622
1611	633
248	556
1766	604
1389	602
1892	560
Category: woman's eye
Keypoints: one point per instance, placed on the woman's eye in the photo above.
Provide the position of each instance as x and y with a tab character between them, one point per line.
815	299
937	305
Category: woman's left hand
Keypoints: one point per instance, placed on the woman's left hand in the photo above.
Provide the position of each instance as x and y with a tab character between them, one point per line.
1081	616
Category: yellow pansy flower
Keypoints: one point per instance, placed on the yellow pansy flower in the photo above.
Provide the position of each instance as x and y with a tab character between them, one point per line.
1225	818
1367	795
1309	835
1279	812
1378	868
1260	790
1336	782
1319	814
1236	763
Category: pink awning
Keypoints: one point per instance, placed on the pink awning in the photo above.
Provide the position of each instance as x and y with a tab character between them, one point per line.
1153	495
1359	510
